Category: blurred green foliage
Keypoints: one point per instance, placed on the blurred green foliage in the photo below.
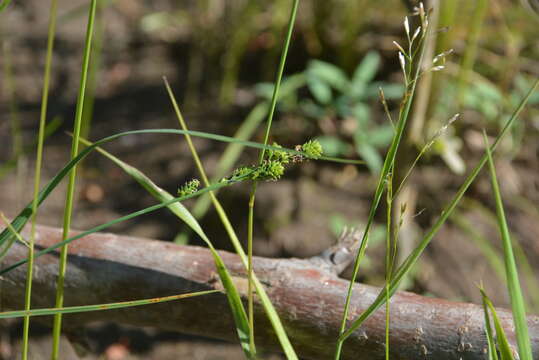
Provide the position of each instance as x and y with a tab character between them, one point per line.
332	94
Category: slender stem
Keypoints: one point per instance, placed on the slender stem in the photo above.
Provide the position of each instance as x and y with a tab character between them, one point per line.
273	104
389	201
250	227
37	175
72	177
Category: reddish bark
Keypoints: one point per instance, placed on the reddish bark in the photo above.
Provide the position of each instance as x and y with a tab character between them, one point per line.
308	296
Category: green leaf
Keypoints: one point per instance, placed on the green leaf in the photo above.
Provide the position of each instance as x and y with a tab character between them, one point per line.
99	307
320	90
381	136
333	146
328	73
370	155
362	113
289	86
364	73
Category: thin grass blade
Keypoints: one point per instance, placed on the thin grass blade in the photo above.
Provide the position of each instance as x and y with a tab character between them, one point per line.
503	344
492	352
100	307
513	282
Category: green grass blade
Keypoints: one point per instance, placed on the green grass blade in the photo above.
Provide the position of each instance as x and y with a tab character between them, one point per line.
70	191
492	352
513	283
414	255
21	219
181	212
160	194
100	307
42	133
503	343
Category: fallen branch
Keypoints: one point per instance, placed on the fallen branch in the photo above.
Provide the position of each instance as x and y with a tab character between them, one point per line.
307	294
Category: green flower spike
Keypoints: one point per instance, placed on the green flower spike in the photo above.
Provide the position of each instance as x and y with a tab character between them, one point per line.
313	149
189	187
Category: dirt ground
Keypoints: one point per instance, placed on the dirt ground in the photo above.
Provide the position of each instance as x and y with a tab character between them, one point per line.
293	216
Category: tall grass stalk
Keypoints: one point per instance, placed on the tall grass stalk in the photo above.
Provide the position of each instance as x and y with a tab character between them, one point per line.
250	220
513	282
410	82
389	201
37	173
57	326
93	71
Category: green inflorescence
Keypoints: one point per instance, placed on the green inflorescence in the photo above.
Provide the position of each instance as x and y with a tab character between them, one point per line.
189	187
273	166
313	149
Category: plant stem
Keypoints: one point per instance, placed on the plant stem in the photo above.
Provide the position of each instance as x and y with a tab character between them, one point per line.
37	175
273	104
57	326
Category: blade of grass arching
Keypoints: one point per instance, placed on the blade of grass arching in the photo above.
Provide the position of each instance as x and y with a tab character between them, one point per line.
22	218
273	104
513	282
182	213
37	174
414	255
160	194
492	352
100	307
70	192
114	222
387	166
503	343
